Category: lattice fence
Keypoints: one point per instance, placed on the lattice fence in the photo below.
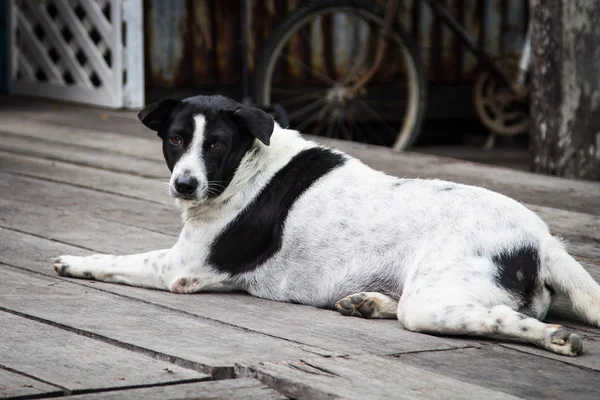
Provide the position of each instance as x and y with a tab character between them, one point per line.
78	50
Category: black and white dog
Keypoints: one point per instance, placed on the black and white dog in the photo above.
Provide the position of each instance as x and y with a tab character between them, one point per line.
285	219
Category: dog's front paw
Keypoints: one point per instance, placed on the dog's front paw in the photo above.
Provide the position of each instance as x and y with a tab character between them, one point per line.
72	266
562	341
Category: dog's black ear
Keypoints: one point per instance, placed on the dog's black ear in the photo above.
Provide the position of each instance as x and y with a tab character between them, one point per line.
154	115
257	122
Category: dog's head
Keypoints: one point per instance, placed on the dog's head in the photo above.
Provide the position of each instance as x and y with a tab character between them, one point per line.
204	141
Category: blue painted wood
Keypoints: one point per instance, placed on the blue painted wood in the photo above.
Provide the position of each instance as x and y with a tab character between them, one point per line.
3	45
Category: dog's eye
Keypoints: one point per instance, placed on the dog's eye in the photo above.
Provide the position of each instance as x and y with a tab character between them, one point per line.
216	145
176	140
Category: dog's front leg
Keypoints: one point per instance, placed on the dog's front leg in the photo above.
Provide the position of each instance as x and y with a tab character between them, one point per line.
145	270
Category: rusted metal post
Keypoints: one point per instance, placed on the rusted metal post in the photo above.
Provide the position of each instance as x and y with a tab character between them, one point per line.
565	97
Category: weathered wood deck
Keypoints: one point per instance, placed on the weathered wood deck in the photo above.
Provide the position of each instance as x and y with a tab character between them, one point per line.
77	180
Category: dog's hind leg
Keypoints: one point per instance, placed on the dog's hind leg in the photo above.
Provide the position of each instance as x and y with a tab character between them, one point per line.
421	315
368	305
144	270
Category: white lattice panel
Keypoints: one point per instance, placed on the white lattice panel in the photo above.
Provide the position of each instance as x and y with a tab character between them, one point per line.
77	50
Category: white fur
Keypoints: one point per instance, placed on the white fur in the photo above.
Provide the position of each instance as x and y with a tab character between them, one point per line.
352	228
191	163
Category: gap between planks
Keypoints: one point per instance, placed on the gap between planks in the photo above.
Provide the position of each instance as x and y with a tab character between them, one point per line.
181	362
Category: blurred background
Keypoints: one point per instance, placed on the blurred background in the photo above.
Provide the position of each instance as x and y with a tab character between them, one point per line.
454	78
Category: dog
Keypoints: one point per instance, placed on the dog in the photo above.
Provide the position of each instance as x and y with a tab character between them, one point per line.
283	218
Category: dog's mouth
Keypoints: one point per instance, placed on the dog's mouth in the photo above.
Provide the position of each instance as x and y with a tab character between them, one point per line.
183	197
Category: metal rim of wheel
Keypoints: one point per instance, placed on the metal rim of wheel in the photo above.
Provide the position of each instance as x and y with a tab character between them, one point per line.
498	108
408	131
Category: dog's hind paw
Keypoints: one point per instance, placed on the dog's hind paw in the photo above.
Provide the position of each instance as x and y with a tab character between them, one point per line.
564	342
367	305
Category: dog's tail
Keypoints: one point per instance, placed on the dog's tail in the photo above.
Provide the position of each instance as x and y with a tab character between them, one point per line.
563	274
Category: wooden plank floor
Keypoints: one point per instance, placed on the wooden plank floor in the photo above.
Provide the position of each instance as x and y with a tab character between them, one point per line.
76	180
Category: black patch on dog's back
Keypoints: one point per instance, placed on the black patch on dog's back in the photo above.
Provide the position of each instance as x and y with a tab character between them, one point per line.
256	233
518	273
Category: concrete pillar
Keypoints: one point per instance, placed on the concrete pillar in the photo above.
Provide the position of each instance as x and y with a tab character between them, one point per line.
565	82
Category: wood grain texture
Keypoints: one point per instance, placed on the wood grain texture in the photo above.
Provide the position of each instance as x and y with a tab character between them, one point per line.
365	377
74	362
512	372
103	206
139	148
231	389
208	345
150	190
17	385
95	234
591	348
62	114
80	155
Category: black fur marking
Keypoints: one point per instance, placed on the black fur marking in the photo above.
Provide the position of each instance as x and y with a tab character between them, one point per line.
518	273
256	233
446	189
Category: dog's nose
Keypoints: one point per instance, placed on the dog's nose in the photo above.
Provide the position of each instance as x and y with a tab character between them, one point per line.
186	185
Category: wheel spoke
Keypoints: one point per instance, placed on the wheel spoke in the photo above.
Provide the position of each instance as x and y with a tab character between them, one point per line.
324	78
345	132
330	126
303	97
309	120
490	89
374	114
306	109
373	136
388	105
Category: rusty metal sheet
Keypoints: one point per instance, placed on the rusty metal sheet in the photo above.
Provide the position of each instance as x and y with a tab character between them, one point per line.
202	42
425	38
227	21
492	23
196	41
448	57
166	33
472	21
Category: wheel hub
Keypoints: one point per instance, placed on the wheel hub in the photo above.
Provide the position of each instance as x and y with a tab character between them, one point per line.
339	96
499	109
